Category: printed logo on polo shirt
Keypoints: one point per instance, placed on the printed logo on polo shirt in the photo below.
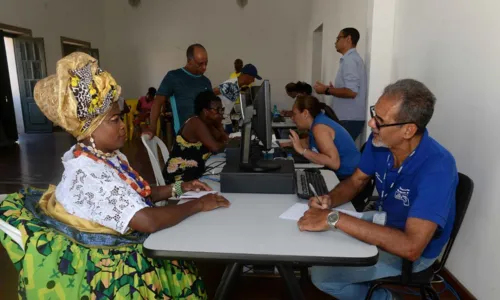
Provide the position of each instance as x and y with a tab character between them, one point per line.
403	195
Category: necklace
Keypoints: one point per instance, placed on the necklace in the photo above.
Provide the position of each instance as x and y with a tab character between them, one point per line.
137	183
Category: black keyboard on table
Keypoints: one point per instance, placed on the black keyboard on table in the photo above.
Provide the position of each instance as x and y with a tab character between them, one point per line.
313	176
297	158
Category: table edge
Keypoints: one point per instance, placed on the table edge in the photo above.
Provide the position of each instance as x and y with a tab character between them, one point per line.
264	258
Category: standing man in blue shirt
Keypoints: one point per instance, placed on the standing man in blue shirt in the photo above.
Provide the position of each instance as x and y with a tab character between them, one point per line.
349	91
416	179
181	87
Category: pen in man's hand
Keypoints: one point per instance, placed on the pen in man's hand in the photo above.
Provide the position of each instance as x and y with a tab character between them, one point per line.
315	194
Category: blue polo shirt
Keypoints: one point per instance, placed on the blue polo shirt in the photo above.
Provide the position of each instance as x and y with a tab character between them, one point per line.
182	87
424	189
348	153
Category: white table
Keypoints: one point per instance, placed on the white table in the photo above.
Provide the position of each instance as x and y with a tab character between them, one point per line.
250	231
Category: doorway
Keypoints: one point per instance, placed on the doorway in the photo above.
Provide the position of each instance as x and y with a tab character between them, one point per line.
22	65
8	125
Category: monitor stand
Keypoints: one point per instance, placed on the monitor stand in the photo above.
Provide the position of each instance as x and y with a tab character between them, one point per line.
246	163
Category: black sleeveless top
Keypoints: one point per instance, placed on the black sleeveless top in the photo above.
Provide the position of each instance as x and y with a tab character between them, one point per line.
187	160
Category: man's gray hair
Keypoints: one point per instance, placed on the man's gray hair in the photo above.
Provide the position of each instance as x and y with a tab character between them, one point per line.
417	104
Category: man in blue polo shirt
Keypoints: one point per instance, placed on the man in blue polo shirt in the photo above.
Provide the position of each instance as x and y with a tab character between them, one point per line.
416	179
181	86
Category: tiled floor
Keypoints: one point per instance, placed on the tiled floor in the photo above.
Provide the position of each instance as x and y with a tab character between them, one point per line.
36	161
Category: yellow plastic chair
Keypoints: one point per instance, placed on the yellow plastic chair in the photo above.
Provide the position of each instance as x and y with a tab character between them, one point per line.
132	104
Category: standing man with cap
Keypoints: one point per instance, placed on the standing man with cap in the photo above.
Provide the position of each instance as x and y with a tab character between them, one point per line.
182	86
349	91
229	91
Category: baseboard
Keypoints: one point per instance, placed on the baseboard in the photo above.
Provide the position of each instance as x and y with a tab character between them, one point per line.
459	288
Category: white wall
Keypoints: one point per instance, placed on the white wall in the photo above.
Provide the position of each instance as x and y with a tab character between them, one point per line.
452	46
143	44
379	50
334	15
51	19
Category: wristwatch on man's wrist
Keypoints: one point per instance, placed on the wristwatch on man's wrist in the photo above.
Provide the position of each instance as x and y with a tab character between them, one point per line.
332	219
327	91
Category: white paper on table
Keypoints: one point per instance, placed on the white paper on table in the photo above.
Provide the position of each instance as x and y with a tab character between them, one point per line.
298	209
235	134
196	195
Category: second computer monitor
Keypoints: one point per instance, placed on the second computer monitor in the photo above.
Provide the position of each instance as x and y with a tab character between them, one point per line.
262	121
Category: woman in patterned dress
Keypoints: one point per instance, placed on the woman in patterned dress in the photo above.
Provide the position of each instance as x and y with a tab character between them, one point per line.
199	137
83	238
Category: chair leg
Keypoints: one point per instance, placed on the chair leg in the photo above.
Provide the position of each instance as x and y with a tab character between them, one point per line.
423	292
372	289
432	293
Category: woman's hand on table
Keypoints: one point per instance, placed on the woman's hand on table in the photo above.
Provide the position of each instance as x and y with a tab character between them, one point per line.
213	201
195	186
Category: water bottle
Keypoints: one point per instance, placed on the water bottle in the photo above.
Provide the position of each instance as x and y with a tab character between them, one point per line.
290	157
276	113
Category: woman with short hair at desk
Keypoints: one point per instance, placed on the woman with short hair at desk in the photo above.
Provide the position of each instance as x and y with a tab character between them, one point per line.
83	239
293	90
328	143
199	137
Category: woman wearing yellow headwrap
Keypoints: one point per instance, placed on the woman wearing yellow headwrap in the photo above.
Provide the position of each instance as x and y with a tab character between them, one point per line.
83	238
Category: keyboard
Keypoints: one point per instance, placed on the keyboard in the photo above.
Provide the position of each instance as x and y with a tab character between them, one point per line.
297	158
313	176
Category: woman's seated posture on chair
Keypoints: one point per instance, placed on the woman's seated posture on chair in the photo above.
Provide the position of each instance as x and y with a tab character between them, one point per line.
328	144
83	239
144	105
199	137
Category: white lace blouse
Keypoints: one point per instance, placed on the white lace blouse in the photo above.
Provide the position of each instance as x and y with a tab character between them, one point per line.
93	191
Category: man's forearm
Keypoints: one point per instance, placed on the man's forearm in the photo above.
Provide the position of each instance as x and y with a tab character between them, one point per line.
390	239
342	93
345	191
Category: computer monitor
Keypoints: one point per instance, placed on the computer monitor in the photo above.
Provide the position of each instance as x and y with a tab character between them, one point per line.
262	121
255	114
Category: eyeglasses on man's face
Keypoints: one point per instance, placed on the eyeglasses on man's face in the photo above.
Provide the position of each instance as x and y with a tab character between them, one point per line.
377	121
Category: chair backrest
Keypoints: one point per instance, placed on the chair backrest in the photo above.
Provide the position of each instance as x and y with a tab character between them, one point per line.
10	230
360	201
464	191
152	148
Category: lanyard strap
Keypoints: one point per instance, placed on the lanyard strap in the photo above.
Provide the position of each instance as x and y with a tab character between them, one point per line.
384	194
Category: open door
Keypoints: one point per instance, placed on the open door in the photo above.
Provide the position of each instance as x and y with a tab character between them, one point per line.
31	67
8	128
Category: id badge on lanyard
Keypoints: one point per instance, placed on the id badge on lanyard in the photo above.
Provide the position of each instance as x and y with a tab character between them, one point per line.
385	192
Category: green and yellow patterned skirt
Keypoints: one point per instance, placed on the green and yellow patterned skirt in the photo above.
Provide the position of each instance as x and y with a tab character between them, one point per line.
54	266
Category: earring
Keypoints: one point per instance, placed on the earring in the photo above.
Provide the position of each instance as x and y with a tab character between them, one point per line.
92	143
